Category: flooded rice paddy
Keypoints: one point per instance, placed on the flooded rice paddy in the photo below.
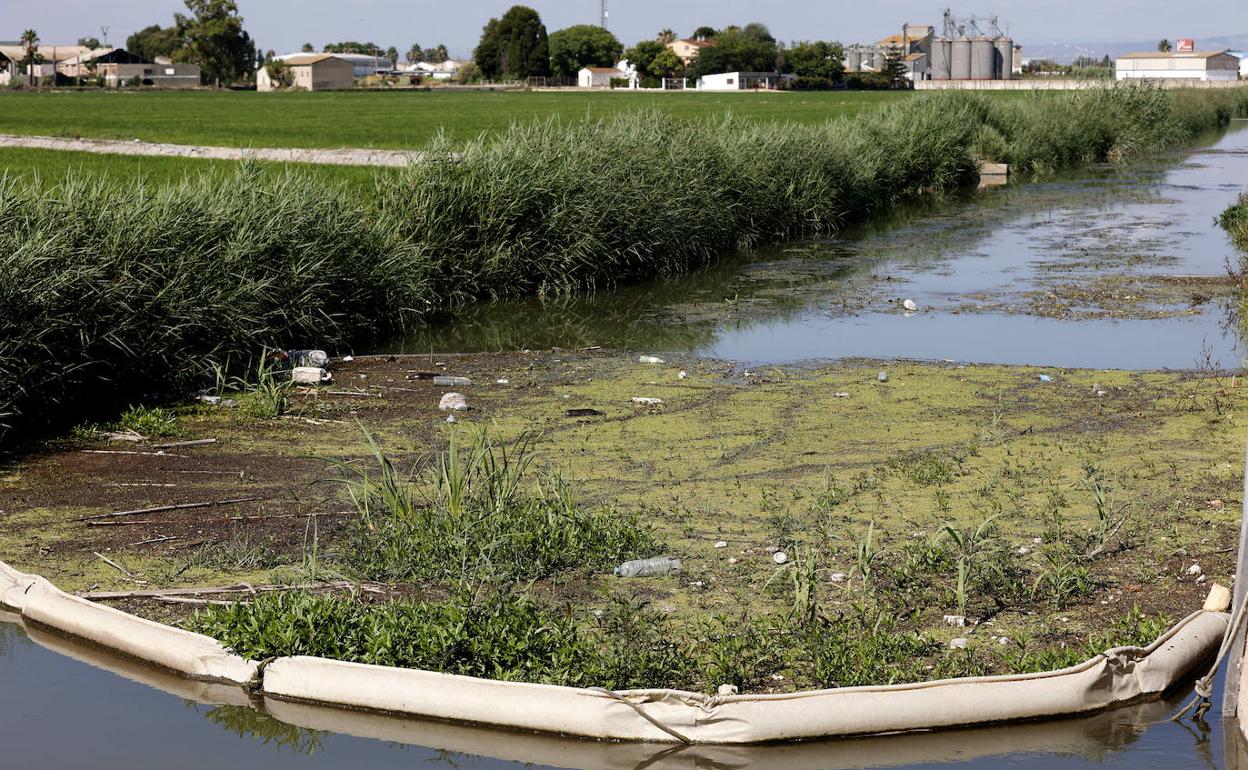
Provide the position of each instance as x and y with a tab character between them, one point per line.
1110	268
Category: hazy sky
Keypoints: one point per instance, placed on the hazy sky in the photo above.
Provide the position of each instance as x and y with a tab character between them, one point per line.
284	25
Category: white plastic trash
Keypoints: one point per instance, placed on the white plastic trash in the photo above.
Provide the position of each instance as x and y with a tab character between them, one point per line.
454	402
910	305
309	375
650	360
779	557
646	401
451	382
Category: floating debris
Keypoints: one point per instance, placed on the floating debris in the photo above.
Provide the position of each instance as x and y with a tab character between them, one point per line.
456	402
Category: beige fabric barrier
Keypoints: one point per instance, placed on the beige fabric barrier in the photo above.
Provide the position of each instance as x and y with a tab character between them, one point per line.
1115	677
13	586
193	655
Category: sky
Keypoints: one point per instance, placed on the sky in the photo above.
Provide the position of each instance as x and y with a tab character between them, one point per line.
284	25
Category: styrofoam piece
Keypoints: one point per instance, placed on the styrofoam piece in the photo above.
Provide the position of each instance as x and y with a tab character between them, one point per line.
183	652
1117	676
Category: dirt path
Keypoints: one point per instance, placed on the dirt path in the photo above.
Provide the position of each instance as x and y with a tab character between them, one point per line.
338	157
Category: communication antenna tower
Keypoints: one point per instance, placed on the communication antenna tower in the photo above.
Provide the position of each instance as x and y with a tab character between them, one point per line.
104	35
603	14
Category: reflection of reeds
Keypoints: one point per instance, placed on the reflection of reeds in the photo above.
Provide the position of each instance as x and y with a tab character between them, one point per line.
1235	221
107	288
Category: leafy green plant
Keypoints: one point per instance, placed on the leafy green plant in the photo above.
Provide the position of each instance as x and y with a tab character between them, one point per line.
153	422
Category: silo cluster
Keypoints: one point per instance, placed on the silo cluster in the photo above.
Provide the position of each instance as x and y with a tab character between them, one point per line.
982	57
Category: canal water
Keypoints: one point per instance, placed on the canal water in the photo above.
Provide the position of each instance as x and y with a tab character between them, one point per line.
981	268
1013	275
67	706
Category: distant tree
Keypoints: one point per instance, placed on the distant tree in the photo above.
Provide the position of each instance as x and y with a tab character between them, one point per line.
584	45
894	67
352	46
642	57
436	54
667	65
215	40
30	42
414	54
469	73
756	31
308	48
736	51
153	41
665	36
392	54
815	59
280	74
705	33
1164	46
515	46
89	42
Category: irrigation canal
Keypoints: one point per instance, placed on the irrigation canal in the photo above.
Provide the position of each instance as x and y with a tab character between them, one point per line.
1104	269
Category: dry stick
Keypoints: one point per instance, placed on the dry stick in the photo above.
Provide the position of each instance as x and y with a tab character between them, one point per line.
119	568
196	442
228	518
184	600
126	452
149	541
177	507
240	588
356	393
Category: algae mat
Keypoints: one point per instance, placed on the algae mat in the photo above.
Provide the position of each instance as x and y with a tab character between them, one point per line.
1142	468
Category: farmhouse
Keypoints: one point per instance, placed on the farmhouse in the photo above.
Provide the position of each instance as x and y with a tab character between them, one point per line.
13	56
688	50
741	81
311	72
597	77
1178	65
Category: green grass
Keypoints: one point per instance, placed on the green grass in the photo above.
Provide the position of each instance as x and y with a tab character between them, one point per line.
382	120
52	166
1235	221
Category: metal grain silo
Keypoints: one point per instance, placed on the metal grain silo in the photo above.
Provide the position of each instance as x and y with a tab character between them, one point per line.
1004	58
983	59
854	61
940	59
960	59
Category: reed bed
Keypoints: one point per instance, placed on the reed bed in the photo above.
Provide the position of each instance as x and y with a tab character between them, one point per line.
108	290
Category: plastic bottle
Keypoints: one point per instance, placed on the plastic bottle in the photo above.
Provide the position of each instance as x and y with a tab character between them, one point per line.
648	567
451	381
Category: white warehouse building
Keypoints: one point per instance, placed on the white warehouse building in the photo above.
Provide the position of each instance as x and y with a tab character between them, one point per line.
1178	65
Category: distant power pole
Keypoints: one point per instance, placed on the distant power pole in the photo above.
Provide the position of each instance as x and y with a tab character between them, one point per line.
104	34
603	14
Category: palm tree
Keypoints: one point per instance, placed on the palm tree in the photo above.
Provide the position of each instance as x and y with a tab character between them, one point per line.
30	41
665	36
1164	46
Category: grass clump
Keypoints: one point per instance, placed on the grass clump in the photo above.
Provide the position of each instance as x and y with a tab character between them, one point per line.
471	513
153	422
1235	221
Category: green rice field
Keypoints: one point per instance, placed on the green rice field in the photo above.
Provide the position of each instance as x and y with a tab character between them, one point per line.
400	119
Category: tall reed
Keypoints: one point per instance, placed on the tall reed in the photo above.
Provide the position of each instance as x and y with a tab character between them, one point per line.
109	289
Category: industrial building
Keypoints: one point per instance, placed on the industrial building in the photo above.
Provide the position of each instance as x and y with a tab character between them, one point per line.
970	48
115	66
1178	65
741	81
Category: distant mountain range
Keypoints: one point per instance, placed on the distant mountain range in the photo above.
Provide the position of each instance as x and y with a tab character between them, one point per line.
1065	53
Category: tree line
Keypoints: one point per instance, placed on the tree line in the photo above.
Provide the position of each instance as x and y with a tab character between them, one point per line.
517	46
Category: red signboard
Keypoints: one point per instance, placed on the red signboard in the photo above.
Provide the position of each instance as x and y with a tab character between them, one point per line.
1185	44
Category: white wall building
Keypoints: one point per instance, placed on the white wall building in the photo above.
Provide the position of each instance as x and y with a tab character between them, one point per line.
740	81
363	65
1178	65
601	77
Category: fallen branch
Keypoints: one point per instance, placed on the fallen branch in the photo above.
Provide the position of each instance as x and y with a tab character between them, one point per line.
176	507
176	444
126	452
187	600
153	540
227	518
119	568
240	588
355	393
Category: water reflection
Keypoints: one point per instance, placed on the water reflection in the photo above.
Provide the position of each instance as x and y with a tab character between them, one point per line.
127	716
